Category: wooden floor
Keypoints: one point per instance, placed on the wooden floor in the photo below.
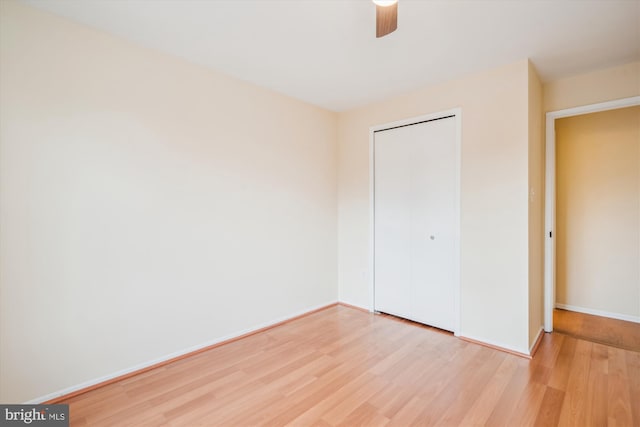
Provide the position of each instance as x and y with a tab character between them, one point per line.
603	330
345	367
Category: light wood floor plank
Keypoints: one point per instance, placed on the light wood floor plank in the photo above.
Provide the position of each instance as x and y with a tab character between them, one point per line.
633	374
505	408
392	399
619	403
575	401
528	406
338	397
467	388
562	366
408	413
603	330
345	367
354	400
364	415
480	411
550	408
596	393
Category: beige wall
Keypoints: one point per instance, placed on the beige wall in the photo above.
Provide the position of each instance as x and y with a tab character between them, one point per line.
598	212
591	88
494	189
147	205
536	207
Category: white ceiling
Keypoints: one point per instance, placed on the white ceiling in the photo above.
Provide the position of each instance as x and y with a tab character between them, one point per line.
325	51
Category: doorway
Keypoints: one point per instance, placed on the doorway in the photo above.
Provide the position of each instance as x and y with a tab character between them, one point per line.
415	227
594	237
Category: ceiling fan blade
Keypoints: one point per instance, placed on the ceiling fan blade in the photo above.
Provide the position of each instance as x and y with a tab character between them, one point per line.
386	19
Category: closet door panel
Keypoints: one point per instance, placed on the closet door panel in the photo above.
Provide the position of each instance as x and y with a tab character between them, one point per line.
415	222
434	225
392	231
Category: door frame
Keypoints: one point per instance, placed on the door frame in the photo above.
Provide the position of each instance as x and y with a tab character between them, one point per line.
457	114
550	194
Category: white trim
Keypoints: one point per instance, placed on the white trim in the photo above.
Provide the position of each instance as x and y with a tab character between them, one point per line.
628	318
371	255
522	351
457	247
595	108
457	113
372	226
359	306
533	344
550	187
549	222
170	356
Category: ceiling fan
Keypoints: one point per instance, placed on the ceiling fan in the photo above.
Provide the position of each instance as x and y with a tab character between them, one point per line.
386	17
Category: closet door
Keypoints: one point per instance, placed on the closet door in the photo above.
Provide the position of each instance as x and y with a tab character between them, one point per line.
415	225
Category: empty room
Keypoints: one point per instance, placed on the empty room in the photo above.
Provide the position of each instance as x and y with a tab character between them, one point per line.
319	212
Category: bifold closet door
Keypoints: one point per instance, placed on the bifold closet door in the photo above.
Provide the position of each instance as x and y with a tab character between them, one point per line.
415	222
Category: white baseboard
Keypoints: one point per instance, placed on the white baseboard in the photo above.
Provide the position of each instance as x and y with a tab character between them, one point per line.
173	355
495	344
602	313
533	344
361	307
